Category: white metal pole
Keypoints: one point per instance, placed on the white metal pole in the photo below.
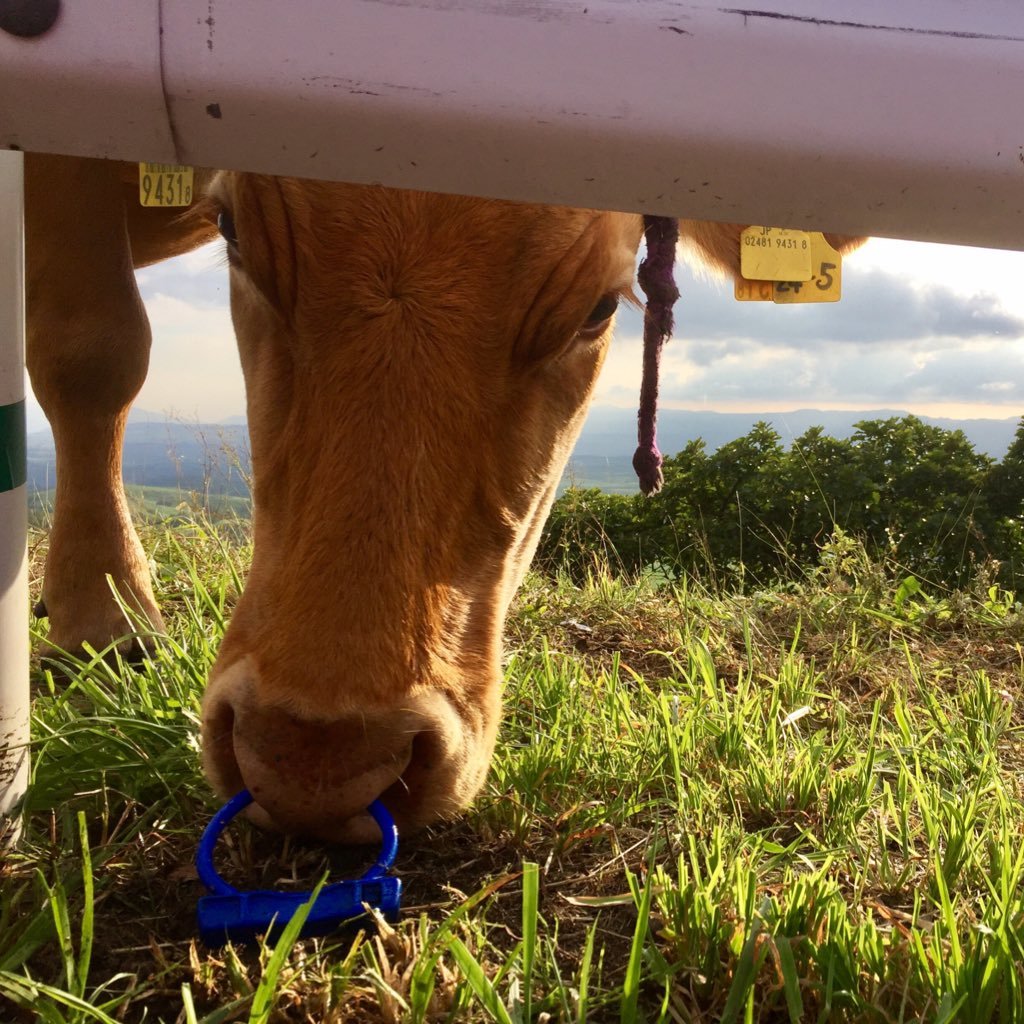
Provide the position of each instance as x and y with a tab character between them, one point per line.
14	642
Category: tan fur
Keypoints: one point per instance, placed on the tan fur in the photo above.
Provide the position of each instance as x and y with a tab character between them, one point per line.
88	351
415	381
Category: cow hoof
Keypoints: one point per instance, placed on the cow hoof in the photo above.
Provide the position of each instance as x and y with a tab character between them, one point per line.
67	645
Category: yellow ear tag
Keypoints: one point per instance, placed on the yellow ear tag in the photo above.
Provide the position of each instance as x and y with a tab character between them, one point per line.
775	254
754	291
165	184
826	283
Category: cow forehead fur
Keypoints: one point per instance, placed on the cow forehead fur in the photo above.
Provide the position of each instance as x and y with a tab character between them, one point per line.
414	385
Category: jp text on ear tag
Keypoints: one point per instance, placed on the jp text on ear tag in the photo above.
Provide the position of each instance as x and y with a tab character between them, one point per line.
165	184
826	283
775	254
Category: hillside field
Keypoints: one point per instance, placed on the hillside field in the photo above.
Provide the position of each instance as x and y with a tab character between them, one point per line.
800	803
155	504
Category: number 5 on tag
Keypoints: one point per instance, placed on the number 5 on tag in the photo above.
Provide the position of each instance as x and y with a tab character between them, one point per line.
826	283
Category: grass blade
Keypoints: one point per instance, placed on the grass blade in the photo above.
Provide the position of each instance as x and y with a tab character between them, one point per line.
263	998
27	993
530	905
85	942
790	979
631	982
481	985
584	977
747	966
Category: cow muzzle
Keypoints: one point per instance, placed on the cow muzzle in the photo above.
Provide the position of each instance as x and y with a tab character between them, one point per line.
316	777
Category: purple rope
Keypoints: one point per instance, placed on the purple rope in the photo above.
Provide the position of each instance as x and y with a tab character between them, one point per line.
658	284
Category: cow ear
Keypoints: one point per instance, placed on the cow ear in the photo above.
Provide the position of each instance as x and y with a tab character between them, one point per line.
718	245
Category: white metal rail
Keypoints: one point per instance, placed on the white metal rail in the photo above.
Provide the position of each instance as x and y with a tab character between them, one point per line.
14	697
885	117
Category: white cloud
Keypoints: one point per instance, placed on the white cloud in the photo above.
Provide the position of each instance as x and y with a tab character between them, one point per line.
934	329
194	367
206	261
963	270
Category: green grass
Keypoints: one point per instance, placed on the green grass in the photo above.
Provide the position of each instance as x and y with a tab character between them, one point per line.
792	805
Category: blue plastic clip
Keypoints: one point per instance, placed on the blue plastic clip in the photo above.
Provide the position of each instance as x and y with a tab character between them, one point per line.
231	915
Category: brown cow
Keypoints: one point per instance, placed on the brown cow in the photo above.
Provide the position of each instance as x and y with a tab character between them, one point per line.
417	369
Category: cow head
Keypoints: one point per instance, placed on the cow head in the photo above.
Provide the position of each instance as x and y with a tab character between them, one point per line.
417	369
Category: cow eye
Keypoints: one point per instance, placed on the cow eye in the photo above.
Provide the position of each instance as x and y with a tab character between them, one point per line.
226	226
600	315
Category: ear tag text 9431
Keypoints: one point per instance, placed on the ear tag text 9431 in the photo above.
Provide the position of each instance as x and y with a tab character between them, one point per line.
166	184
824	280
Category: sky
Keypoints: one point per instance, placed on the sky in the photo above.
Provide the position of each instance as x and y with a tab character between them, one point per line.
931	329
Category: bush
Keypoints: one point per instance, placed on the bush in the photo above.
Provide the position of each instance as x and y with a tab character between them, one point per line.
754	511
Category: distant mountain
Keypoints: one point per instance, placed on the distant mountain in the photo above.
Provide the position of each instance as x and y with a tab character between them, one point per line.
214	457
611	432
603	455
205	457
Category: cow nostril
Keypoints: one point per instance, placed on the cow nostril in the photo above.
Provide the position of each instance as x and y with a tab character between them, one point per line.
308	775
218	748
220	721
418	782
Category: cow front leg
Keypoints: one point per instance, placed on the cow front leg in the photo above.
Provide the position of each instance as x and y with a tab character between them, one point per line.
88	352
